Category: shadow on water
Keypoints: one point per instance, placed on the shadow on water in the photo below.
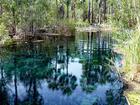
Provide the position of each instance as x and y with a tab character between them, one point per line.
61	71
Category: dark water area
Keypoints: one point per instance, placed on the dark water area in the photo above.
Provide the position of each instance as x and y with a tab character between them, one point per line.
61	71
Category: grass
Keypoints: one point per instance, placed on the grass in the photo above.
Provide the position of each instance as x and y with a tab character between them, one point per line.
133	97
129	46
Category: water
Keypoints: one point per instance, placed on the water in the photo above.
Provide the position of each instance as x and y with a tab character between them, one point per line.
61	71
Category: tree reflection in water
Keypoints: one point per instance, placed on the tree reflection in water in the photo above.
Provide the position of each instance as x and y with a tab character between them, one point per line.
3	88
96	69
31	63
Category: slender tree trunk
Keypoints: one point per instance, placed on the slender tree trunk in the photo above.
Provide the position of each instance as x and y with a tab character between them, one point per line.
67	10
104	10
100	12
57	8
31	16
1	9
14	23
84	11
137	16
92	12
32	27
89	11
73	9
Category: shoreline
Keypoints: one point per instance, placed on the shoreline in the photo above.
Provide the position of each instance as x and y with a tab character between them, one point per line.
132	91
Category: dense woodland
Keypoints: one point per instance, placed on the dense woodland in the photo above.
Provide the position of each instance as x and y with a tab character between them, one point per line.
29	15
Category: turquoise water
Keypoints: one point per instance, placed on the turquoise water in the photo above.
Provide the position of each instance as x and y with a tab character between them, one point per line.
75	70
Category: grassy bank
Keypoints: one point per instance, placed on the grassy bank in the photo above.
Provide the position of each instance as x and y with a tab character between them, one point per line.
133	97
128	43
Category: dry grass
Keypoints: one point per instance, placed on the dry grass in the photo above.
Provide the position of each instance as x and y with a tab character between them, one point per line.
133	97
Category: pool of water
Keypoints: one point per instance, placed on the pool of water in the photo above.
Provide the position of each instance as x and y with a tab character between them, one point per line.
61	71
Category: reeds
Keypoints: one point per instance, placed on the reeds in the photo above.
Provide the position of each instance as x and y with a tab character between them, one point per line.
129	46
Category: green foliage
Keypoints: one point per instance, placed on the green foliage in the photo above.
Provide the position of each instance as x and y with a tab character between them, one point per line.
3	34
81	23
3	30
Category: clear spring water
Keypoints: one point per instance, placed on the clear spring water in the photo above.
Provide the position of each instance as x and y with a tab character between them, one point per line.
75	70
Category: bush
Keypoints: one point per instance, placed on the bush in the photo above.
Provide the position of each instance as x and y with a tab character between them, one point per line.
4	36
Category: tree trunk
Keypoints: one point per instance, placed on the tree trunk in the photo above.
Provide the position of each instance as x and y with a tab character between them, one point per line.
67	10
57	8
104	10
84	11
1	9
14	23
92	13
73	9
61	12
89	11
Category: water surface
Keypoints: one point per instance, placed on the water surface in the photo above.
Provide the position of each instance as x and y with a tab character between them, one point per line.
61	71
